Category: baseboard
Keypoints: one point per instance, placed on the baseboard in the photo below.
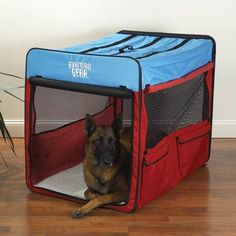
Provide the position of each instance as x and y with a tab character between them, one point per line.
15	127
224	129
221	128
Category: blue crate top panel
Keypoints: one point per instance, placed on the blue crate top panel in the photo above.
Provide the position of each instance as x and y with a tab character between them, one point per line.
119	60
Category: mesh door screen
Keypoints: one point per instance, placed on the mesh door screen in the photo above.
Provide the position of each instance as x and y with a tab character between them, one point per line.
176	107
55	108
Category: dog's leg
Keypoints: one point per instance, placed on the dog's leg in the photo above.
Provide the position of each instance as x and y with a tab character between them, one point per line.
89	194
100	200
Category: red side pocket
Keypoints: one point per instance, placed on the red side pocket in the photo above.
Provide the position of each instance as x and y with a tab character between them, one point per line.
193	149
160	172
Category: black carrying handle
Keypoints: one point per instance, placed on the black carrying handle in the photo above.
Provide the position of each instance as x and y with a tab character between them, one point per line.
122	50
121	92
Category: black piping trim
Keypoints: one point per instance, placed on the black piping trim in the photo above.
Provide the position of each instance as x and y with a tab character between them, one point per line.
151	43
83	88
170	49
109	45
169	35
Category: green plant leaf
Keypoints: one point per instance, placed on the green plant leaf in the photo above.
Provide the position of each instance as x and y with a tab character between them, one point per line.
2	127
5	133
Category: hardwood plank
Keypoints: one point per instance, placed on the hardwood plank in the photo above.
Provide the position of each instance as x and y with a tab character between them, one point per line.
203	204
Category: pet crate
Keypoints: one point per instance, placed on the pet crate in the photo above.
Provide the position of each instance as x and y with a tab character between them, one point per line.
162	84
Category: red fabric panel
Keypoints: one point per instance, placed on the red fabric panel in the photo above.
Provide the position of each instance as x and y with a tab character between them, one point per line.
193	149
118	106
160	171
27	133
151	89
55	151
60	149
176	156
104	117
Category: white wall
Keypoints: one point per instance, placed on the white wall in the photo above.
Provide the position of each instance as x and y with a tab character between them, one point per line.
59	23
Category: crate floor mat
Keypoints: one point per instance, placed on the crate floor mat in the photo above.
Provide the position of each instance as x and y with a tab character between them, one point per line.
64	182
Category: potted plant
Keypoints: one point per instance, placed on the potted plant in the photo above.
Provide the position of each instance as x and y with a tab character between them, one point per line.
3	129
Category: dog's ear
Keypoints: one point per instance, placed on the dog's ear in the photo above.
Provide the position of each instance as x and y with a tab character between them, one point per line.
117	124
90	125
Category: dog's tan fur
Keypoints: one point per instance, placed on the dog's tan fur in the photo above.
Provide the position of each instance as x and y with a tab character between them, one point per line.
106	184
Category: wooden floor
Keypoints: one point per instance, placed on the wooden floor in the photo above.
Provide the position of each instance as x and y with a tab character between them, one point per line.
203	204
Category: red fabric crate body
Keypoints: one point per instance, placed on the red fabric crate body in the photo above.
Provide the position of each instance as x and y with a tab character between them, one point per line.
167	145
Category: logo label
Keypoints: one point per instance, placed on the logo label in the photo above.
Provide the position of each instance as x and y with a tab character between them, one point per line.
79	69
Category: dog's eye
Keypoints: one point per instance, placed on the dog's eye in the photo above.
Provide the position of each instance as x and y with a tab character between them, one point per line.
111	140
98	141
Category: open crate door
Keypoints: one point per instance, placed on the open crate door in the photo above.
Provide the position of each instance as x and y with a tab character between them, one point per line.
57	134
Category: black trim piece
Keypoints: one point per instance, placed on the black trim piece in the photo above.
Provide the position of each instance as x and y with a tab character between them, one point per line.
170	49
151	43
83	88
169	35
109	45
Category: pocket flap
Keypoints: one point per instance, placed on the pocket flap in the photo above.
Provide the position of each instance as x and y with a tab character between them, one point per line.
194	134
160	153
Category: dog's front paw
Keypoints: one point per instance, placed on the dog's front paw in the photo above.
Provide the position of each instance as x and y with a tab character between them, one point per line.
78	213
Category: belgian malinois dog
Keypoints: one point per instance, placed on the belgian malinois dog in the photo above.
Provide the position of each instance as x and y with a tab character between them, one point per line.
106	164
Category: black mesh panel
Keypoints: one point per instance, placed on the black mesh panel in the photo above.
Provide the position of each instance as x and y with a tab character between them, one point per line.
176	107
55	108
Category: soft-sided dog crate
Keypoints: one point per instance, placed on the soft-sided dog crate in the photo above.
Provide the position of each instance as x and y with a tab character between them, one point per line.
161	83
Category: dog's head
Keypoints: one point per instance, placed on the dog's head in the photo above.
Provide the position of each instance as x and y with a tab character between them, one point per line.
103	140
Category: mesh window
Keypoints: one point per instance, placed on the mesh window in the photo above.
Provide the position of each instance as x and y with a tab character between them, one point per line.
176	107
55	108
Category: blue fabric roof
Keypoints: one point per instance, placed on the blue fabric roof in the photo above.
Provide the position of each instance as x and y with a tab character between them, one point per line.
116	60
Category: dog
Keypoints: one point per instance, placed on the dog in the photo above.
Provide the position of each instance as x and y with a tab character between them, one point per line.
106	164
